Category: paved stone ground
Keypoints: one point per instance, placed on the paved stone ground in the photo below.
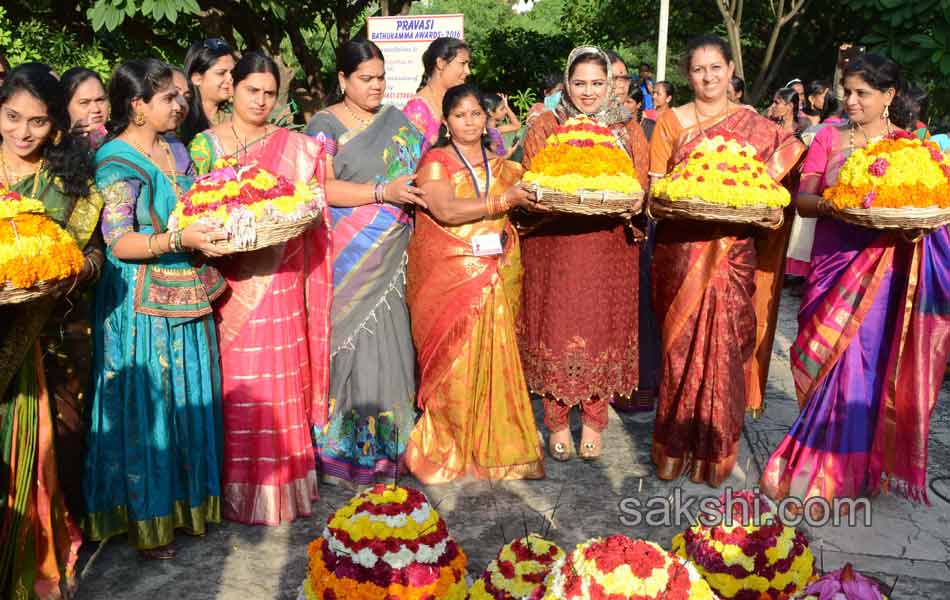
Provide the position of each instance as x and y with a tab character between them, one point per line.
906	544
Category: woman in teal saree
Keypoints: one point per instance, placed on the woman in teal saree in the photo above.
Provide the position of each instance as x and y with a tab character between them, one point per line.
154	445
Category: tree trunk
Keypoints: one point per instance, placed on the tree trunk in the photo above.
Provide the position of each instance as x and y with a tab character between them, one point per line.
731	11
782	18
762	85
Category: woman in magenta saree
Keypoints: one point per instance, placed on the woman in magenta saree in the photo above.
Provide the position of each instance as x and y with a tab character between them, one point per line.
273	324
874	336
715	287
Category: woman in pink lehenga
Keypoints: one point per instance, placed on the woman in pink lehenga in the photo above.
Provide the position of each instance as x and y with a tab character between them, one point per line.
273	325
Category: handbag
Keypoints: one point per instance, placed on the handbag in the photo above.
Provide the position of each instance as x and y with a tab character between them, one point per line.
174	289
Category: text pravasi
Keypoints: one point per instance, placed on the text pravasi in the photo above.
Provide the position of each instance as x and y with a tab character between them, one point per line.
403	40
413	29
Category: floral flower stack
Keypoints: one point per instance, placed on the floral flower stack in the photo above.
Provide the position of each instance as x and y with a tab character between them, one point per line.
722	179
582	159
245	200
34	250
387	542
843	584
902	180
756	557
618	568
519	571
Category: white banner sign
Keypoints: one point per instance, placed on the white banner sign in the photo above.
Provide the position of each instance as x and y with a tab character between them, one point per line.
403	40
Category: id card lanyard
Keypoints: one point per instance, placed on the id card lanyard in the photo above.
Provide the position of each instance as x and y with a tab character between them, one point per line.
471	171
487	244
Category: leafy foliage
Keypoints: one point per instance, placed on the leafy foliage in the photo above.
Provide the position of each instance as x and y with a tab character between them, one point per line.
916	34
522	101
35	40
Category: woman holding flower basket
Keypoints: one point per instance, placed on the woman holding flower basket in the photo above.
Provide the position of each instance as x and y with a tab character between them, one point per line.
154	451
874	324
715	288
273	322
579	321
41	160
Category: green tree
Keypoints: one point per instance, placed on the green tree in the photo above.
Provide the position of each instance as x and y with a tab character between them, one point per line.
916	34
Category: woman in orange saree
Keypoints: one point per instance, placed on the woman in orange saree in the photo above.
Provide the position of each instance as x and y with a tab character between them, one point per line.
273	323
715	286
464	292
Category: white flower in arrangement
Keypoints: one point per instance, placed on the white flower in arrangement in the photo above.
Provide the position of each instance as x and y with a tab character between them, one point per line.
399	560
421	514
366	558
431	554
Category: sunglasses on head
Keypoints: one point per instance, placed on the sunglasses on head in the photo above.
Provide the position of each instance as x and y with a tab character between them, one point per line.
216	44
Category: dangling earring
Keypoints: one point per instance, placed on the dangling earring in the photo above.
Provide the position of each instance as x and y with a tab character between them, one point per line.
57	137
448	134
139	119
886	115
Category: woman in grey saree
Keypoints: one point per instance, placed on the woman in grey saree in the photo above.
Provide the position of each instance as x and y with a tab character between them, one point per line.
361	435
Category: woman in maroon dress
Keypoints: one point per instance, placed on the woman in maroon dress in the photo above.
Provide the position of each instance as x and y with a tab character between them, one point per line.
580	307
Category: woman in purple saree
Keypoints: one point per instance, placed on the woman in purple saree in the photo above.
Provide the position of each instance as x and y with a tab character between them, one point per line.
874	327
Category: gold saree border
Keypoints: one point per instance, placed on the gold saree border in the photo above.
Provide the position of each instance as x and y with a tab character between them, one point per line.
155	532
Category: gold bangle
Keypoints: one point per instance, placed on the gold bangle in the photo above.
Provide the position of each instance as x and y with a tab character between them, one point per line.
503	202
150	249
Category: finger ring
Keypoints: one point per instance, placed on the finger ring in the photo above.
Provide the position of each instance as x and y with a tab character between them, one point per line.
207	238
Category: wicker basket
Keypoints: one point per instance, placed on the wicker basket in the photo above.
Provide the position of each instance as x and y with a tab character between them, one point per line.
697	210
896	218
272	234
586	202
15	295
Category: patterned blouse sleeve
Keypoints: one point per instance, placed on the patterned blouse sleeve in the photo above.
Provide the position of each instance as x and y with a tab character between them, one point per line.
118	213
202	154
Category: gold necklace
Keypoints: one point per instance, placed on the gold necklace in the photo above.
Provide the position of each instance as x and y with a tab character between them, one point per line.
705	116
9	182
716	116
173	178
364	122
868	139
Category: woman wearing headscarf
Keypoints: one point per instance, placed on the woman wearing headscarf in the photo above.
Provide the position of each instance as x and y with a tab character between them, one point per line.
579	322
